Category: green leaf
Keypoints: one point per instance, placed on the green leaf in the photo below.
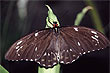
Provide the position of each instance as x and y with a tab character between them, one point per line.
80	15
95	16
51	18
3	70
55	69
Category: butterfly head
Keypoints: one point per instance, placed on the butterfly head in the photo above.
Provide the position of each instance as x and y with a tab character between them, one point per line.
55	24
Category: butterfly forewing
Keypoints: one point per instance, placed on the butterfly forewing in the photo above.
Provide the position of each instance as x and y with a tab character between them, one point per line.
80	40
30	47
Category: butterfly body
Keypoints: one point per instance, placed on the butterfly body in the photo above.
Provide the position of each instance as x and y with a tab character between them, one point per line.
55	26
57	45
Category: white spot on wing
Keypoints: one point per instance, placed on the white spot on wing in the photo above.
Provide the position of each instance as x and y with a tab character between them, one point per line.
93	32
21	47
35	59
48	54
88	51
77	57
74	55
62	62
54	63
42	60
38	62
31	60
17	50
82	49
17	47
80	53
12	60
52	53
67	62
98	49
36	49
18	54
96	36
19	42
66	50
49	65
95	39
43	64
70	49
36	34
73	60
45	54
26	59
21	59
63	50
95	44
79	44
56	53
93	50
84	52
76	29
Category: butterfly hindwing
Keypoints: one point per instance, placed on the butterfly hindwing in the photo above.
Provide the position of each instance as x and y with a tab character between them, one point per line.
69	53
49	58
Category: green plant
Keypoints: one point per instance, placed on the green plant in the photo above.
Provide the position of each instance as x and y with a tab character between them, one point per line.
3	70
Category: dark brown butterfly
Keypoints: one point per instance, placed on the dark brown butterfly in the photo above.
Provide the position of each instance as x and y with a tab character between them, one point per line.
57	45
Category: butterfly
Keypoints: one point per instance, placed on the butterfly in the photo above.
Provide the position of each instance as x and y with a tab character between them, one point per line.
55	45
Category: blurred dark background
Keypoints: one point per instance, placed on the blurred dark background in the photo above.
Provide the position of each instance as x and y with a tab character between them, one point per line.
18	20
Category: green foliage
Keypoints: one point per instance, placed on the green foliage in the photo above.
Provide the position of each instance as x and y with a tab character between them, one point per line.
55	69
3	70
51	17
80	15
95	16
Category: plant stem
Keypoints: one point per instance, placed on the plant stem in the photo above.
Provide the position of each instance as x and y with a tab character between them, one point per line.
55	69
